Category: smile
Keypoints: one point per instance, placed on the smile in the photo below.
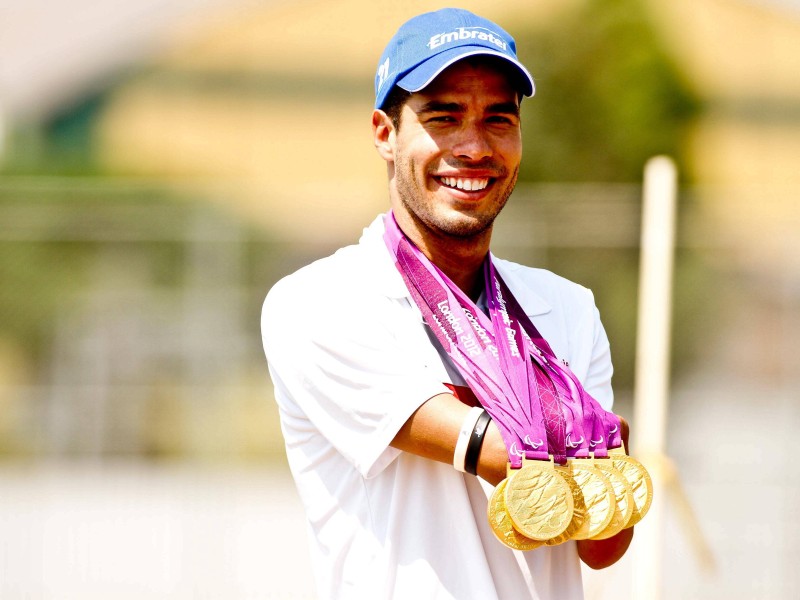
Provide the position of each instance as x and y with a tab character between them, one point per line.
465	183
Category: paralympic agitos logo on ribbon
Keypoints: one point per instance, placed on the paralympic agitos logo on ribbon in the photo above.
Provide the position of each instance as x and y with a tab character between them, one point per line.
467	33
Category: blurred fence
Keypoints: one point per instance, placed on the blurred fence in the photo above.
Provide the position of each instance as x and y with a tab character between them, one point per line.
130	322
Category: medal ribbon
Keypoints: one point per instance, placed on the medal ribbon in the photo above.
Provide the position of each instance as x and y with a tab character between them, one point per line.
467	336
596	429
537	403
539	389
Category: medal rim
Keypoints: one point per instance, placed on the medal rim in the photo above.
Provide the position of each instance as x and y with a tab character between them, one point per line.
588	531
618	523
641	505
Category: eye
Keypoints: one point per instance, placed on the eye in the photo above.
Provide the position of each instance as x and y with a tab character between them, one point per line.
441	119
500	120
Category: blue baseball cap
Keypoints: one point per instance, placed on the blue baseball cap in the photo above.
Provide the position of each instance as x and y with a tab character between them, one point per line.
426	45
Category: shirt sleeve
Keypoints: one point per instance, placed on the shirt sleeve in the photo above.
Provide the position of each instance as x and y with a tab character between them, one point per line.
576	333
598	377
588	350
350	364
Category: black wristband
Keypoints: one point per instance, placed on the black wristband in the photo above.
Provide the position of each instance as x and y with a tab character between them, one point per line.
475	443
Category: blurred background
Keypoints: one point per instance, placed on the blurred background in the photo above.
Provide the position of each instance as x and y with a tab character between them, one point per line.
164	162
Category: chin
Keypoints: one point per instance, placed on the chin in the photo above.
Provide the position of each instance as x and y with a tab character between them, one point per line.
464	226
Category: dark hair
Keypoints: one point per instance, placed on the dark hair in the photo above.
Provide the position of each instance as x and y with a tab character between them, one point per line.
393	105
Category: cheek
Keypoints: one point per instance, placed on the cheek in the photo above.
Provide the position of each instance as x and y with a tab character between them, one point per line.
512	150
411	167
417	145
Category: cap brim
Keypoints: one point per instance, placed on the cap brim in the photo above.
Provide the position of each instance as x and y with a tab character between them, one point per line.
421	77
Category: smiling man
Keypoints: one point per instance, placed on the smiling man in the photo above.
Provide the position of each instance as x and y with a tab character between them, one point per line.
453	156
392	432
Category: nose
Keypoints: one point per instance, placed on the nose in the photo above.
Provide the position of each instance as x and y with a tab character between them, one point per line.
472	143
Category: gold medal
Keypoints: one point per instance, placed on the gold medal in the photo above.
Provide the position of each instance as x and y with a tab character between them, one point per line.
578	510
639	479
623	496
501	523
598	498
539	500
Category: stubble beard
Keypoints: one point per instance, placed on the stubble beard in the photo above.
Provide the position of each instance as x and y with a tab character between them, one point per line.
460	225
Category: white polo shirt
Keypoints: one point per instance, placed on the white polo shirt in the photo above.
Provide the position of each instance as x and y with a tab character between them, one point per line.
351	360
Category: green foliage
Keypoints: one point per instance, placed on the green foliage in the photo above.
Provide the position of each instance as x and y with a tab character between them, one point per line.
608	96
62	144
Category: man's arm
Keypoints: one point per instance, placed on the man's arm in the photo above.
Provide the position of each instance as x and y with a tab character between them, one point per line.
432	432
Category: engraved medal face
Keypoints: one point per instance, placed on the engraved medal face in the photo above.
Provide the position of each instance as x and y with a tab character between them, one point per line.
623	496
598	496
539	501
578	510
640	481
501	523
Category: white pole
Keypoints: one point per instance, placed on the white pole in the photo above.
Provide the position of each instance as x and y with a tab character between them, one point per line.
653	363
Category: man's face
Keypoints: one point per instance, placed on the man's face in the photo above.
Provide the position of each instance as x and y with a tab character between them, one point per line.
457	152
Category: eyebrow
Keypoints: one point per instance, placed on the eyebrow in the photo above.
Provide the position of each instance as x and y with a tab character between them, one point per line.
435	106
505	108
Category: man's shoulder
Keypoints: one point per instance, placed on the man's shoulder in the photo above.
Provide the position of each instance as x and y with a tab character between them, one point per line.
324	277
316	298
352	270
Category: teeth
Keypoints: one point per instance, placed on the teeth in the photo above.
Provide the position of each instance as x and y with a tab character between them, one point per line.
469	185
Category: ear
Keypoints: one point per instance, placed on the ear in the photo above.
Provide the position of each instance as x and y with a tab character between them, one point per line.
383	133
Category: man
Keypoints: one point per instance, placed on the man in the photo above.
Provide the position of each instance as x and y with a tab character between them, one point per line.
371	403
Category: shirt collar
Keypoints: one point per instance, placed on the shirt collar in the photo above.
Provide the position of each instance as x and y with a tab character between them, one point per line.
528	299
386	276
